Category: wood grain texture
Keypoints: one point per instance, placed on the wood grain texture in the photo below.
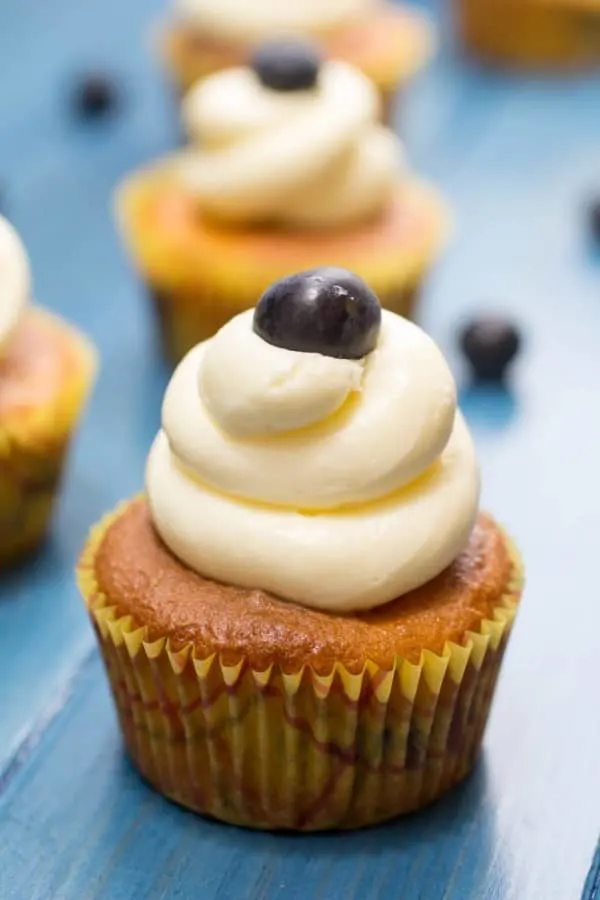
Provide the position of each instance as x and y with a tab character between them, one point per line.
591	890
518	159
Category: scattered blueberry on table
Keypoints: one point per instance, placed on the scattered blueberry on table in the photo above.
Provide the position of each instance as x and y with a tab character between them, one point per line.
490	344
287	65
96	95
328	310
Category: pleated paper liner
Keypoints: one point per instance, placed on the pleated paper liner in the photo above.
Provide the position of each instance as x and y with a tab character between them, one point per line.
298	750
201	275
33	449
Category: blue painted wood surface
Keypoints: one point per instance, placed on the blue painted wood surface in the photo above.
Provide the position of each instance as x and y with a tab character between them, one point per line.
518	159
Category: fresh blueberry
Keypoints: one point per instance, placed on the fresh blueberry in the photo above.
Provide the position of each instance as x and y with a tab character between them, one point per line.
329	311
96	95
490	344
287	65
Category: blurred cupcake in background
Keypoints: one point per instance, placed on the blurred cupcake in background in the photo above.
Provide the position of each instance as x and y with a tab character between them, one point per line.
46	372
287	169
553	34
388	42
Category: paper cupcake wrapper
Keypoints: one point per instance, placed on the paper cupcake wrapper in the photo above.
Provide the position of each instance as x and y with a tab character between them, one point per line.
195	293
33	449
298	750
185	318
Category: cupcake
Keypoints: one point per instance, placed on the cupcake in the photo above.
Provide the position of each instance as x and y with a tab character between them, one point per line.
287	169
386	41
46	370
554	34
303	618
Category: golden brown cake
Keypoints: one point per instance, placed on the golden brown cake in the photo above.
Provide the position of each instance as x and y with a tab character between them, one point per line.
390	45
46	371
144	580
295	636
538	34
386	709
277	179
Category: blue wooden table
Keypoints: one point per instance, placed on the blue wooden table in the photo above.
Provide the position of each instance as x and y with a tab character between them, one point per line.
519	160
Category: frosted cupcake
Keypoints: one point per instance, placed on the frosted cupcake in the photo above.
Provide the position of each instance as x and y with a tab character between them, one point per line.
46	371
304	618
388	42
287	169
551	35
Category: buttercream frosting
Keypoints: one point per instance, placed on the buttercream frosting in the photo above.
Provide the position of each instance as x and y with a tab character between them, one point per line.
337	484
313	157
15	279
258	20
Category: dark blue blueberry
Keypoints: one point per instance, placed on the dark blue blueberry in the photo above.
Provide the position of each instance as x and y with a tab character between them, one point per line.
96	95
490	343
287	65
329	311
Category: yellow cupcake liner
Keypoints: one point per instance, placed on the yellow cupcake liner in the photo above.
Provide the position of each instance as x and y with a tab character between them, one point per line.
562	34
297	750
166	265
193	301
33	449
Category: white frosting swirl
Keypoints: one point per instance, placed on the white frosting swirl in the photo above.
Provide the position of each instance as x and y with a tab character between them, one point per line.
307	157
276	390
15	279
333	483
252	21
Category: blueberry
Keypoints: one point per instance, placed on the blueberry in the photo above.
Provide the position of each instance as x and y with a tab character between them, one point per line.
490	344
287	65
329	311
96	95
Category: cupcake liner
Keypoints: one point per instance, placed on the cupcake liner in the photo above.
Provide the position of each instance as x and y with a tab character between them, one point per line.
559	34
33	449
185	318
186	260
297	750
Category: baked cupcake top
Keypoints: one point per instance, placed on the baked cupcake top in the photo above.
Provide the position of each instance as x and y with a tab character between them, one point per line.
249	21
313	449
290	139
15	280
